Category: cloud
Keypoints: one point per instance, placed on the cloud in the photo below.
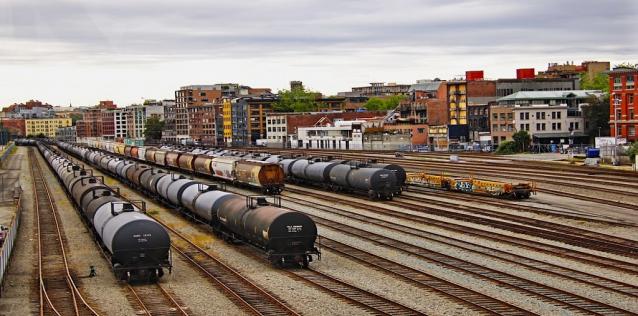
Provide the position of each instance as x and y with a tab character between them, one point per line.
403	39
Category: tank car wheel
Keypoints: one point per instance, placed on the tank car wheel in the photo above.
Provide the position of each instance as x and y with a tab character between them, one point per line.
371	195
305	262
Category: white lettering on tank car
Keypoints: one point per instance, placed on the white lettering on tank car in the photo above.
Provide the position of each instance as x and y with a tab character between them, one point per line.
294	228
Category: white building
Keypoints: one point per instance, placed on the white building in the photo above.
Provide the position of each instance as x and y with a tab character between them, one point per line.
136	116
119	115
344	135
549	121
276	129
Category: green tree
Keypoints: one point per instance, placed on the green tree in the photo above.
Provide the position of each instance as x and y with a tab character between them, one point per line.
506	148
153	128
382	104
75	117
521	140
374	104
633	151
596	115
296	100
600	82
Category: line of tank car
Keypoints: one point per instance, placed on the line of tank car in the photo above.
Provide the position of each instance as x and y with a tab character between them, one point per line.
139	247
269	172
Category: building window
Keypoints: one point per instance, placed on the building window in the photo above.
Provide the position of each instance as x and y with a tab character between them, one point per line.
543	125
522	115
632	131
576	127
538	126
527	115
522	128
631	114
495	116
495	127
553	126
630	99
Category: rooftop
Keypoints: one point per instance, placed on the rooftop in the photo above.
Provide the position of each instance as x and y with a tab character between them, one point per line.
545	95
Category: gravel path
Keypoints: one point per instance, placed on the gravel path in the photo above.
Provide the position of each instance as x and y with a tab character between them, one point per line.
19	295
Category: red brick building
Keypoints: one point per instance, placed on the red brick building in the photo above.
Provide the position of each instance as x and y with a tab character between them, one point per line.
16	127
202	124
622	104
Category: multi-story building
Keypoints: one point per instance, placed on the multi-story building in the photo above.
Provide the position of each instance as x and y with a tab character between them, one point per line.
46	127
198	95
29	109
480	94
108	124
91	123
120	126
66	134
345	135
281	127
623	121
550	123
569	70
550	116
15	127
227	122
248	116
501	123
505	87
203	124
136	116
380	89
457	109
189	96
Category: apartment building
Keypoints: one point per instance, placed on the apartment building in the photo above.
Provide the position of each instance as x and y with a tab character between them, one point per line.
623	120
549	116
203	124
66	134
46	126
248	119
380	89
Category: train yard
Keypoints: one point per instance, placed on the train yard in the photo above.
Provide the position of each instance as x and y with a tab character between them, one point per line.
382	249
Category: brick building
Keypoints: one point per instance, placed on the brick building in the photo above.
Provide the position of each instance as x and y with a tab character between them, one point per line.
15	127
480	94
202	121
248	119
569	70
623	121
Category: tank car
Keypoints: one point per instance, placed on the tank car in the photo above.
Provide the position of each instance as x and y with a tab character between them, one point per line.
138	246
286	236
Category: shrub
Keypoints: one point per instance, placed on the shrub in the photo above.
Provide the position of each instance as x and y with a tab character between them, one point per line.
507	148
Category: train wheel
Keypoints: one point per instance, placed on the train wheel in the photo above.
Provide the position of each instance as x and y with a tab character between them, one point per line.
304	264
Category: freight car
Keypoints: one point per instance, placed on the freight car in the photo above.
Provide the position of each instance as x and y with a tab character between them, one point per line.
472	185
138	246
335	175
268	177
287	236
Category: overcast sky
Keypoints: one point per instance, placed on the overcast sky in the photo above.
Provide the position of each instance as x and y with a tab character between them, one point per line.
83	51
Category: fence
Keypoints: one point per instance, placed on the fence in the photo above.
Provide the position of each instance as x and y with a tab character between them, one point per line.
6	245
6	153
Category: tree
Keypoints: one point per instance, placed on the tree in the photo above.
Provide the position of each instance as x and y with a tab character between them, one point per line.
374	104
153	129
596	115
383	104
600	82
521	140
296	100
633	151
75	117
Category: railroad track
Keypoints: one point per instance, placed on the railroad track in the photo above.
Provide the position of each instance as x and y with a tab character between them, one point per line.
155	300
518	171
351	295
541	292
59	295
601	283
529	226
590	198
245	294
584	257
513	205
